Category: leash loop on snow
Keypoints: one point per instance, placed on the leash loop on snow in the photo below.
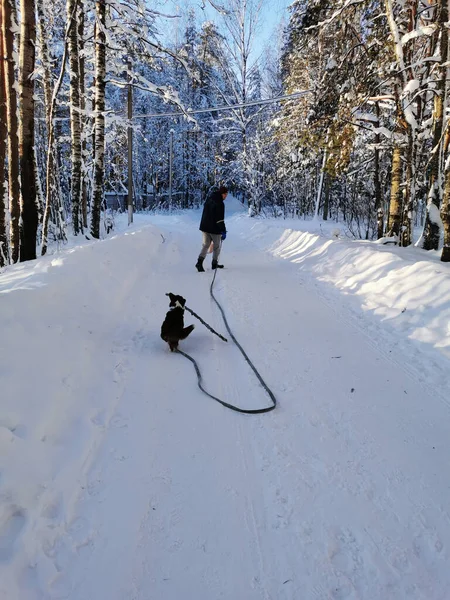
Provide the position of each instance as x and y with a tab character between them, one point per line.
255	411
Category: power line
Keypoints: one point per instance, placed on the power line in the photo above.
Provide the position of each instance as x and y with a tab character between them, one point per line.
204	110
189	112
223	107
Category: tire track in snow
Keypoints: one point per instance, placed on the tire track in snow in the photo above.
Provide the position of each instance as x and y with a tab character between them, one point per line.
256	458
228	390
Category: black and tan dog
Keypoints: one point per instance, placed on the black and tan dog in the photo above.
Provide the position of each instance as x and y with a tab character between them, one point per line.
173	329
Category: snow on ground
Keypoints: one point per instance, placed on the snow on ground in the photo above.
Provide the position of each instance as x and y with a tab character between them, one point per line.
119	480
400	297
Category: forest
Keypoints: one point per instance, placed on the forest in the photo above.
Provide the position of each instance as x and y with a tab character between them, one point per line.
113	105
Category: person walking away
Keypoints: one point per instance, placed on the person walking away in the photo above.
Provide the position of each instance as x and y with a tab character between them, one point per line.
212	226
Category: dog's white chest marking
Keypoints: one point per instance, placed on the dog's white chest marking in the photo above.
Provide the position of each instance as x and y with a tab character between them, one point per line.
177	305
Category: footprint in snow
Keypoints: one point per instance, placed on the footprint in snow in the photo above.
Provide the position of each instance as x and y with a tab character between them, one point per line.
99	419
52	509
12	522
119	421
427	546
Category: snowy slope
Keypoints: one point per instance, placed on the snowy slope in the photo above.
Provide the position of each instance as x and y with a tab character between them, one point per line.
119	480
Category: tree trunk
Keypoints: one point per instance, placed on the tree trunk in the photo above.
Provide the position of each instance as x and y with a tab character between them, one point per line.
29	212
445	216
75	115
321	179
431	233
404	125
377	182
81	19
52	190
12	125
326	197
99	123
3	134
130	144
40	200
45	59
410	194
393	226
445	209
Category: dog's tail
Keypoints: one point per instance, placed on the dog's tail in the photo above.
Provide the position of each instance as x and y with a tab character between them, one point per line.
186	331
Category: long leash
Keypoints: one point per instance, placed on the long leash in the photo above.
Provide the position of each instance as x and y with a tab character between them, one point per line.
205	324
255	411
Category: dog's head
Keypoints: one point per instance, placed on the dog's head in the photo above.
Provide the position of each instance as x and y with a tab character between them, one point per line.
176	300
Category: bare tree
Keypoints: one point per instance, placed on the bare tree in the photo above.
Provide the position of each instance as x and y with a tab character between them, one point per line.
241	22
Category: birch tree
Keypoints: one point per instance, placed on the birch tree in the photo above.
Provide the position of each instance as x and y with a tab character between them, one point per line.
445	209
84	120
445	215
432	229
99	119
75	111
406	124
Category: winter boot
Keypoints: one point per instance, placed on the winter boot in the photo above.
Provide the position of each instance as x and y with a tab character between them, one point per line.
199	265
215	265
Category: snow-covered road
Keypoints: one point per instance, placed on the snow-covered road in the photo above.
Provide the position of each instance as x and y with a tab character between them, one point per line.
141	488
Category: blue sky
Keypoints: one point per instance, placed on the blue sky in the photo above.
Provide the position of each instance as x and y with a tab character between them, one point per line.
272	14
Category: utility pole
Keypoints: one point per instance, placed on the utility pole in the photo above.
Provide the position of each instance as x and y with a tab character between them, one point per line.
130	145
170	167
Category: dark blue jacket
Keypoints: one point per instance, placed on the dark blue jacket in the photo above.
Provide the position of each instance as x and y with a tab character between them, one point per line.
213	216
